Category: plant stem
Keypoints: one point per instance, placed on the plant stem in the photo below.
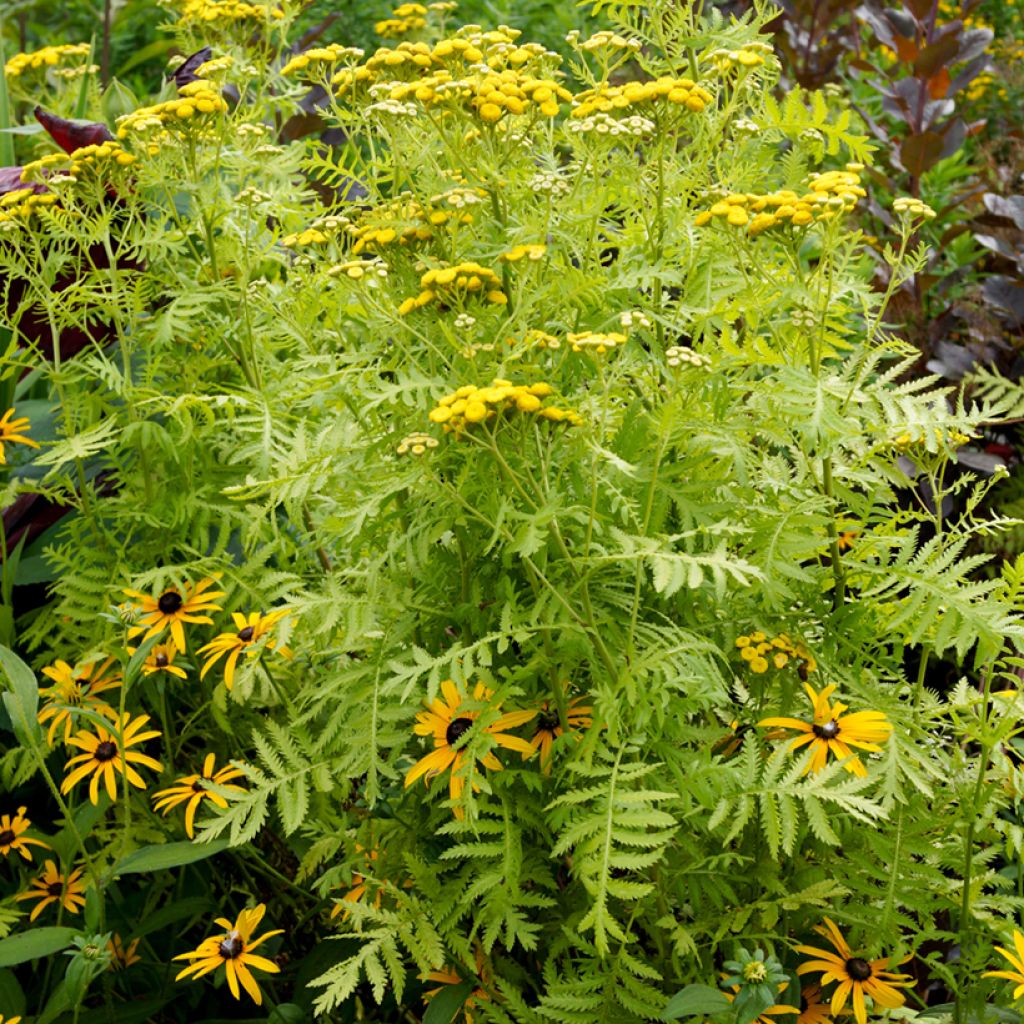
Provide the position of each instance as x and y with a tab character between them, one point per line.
974	812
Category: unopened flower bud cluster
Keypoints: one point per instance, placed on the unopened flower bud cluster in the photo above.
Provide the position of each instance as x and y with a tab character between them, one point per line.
679	355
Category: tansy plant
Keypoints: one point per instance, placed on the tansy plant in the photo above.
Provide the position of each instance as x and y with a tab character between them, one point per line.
444	486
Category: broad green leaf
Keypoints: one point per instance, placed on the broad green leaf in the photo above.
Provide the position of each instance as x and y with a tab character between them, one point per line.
442	1008
12	999
34	945
693	1001
22	700
167	855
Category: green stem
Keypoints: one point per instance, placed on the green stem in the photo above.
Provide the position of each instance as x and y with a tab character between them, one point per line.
974	813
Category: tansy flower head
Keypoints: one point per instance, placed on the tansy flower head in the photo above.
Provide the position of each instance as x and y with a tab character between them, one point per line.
233	950
52	886
549	727
855	975
107	755
835	732
447	721
172	608
48	56
453	285
470	405
249	632
596	341
761	653
12	835
74	689
191	790
652	95
14	430
1016	961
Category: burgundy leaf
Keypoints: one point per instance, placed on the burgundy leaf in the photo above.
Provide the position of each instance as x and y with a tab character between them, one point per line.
72	135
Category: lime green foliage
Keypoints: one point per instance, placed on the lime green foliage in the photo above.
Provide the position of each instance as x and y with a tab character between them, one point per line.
511	388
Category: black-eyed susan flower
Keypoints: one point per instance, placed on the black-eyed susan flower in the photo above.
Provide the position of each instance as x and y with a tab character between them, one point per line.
173	608
107	755
1016	961
358	890
161	659
13	431
448	721
812	1009
51	886
857	977
12	835
449	976
832	730
249	632
74	689
549	727
122	957
233	950
191	790
846	539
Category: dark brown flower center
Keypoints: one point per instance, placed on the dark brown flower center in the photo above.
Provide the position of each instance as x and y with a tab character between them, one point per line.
245	635
161	660
105	751
231	946
170	602
828	731
55	888
198	787
457	729
858	969
547	722
7	837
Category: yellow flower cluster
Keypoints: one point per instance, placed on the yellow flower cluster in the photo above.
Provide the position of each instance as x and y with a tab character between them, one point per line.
228	12
22	205
490	95
679	354
524	252
487	71
595	341
756	650
682	92
911	207
321	55
215	66
404	19
416	443
830	193
86	158
48	56
452	284
406	221
196	98
356	270
604	40
319	232
750	55
471	404
955	439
